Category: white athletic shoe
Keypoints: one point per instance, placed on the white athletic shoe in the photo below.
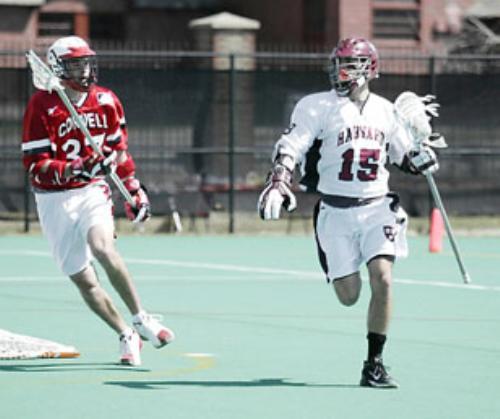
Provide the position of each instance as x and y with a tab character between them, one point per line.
130	348
149	328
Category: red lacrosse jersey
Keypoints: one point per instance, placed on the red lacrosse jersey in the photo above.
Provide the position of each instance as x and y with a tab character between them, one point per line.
49	131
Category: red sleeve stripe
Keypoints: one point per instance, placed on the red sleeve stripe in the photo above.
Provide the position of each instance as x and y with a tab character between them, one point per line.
115	138
127	168
36	146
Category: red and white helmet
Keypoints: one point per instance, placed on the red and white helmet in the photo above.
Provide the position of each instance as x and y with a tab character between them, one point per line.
353	62
72	60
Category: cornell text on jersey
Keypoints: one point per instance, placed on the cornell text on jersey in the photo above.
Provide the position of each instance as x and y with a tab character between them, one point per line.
91	120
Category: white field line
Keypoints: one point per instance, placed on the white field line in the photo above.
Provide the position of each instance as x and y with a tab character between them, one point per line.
270	272
224	267
25	253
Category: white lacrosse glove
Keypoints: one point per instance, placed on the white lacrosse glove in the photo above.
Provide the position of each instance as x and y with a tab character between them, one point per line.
424	160
277	193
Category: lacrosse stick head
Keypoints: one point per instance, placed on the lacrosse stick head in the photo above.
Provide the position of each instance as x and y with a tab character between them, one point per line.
414	112
43	78
73	61
354	61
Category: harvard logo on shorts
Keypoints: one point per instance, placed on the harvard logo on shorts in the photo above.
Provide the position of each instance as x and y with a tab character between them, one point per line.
390	233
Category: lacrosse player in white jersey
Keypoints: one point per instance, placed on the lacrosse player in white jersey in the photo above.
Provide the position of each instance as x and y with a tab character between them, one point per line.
357	219
73	198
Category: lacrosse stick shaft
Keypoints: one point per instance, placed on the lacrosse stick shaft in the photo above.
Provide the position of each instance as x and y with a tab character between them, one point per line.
412	111
176	218
451	237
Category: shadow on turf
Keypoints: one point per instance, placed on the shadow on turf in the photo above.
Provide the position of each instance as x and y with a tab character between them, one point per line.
67	367
262	382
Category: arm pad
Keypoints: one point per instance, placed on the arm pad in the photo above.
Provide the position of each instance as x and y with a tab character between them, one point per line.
142	209
127	168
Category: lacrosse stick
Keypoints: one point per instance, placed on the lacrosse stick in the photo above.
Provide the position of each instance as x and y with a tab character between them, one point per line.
412	111
175	214
45	79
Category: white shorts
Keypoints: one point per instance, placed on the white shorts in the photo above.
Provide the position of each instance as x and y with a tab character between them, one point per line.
348	237
67	216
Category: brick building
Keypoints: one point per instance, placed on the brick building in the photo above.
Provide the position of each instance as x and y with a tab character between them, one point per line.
419	26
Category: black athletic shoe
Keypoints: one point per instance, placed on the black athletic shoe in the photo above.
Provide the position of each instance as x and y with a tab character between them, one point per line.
375	375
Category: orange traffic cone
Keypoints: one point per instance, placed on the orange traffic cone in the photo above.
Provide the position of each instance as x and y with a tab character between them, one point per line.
436	231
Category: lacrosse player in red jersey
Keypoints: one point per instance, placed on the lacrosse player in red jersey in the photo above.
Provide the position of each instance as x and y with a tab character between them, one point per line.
342	139
72	196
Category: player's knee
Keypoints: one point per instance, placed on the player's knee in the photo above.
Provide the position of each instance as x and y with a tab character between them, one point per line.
381	285
103	251
348	288
86	281
348	296
101	244
89	291
380	271
348	299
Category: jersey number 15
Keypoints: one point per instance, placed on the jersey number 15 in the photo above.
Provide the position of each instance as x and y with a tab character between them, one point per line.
368	165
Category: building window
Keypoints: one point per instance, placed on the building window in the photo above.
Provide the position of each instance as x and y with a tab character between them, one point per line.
314	21
397	23
397	1
56	24
107	27
175	4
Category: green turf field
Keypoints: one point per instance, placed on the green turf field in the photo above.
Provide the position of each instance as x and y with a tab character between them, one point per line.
259	335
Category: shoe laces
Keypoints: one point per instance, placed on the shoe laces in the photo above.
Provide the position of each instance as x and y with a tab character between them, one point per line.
150	318
156	316
380	367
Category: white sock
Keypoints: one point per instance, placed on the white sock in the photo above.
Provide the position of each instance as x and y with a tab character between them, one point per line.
127	332
139	316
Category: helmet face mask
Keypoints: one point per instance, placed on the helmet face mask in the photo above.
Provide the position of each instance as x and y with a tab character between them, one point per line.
81	71
354	61
72	60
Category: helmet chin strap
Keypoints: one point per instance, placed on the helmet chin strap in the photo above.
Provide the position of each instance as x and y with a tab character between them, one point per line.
343	92
356	84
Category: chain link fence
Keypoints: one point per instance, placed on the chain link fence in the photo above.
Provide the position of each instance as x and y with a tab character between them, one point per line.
202	138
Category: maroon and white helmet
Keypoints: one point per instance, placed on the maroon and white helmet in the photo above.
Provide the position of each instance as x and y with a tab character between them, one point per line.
72	60
354	61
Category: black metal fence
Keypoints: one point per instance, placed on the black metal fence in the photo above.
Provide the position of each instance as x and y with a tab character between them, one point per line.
203	135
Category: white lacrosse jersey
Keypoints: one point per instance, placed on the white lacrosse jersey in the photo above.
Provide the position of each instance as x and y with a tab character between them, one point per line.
354	144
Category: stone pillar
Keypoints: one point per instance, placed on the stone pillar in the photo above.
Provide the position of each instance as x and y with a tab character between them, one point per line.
226	33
